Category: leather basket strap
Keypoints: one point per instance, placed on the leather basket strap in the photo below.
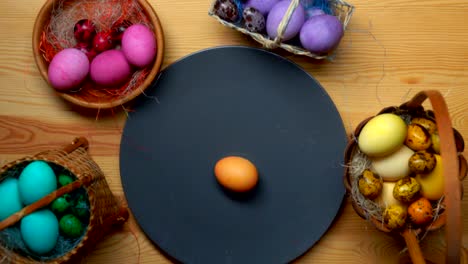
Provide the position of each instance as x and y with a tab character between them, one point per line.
448	152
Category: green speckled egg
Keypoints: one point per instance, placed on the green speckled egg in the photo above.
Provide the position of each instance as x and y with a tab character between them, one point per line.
81	209
64	179
71	226
61	204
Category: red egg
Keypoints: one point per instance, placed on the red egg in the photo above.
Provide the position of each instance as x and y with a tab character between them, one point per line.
102	42
110	68
84	31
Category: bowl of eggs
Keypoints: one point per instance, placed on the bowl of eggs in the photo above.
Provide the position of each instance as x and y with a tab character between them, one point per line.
302	27
98	54
55	206
404	172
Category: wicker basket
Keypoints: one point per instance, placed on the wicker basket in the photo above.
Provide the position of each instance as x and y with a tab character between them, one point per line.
105	211
342	10
454	170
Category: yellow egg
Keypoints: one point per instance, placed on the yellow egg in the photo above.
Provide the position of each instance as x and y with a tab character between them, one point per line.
382	135
418	138
386	198
395	216
428	124
370	184
394	166
236	173
432	184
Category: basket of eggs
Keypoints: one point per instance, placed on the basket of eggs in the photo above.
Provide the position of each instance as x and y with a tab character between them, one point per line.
312	28
404	172
55	206
98	53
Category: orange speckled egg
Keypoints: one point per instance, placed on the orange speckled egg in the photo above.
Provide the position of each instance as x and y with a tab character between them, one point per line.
236	173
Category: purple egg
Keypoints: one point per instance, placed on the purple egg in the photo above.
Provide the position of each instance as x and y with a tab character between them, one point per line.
276	15
68	69
314	12
139	45
263	6
320	34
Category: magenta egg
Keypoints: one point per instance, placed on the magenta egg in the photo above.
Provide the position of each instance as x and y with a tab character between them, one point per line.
110	68
276	15
68	69
139	45
263	6
321	34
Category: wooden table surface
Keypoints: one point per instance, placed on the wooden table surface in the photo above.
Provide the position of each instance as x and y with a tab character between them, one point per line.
392	50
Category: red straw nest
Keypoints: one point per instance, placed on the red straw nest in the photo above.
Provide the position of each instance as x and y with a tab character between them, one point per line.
58	34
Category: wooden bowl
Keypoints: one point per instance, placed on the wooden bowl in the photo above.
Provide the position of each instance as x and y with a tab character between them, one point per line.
90	95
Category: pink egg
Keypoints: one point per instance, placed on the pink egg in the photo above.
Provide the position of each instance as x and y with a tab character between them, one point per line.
68	69
139	45
276	15
110	68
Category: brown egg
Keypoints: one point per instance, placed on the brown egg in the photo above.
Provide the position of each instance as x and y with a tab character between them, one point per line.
406	189
370	184
395	216
422	162
236	173
417	138
428	124
420	211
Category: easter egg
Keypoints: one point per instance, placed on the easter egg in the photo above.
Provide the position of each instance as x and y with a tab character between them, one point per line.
276	15
68	69
394	216
253	20
110	68
236	173
36	180
382	135
139	45
226	9
321	33
393	166
10	200
81	209
418	138
433	183
420	211
263	6
40	231
61	204
64	179
71	226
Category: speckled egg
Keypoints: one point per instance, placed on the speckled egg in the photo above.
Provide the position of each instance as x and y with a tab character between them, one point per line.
428	124
227	10
254	21
71	226
61	204
370	184
395	216
422	162
406	189
417	137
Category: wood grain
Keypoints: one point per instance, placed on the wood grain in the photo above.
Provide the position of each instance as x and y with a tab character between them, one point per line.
392	50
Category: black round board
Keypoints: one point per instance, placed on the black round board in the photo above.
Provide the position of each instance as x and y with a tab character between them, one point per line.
233	101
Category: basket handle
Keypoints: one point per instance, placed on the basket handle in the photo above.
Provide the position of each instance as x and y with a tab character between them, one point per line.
448	152
76	143
44	201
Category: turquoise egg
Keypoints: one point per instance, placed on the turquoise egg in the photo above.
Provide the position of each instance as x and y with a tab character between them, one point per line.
10	200
36	181
40	231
